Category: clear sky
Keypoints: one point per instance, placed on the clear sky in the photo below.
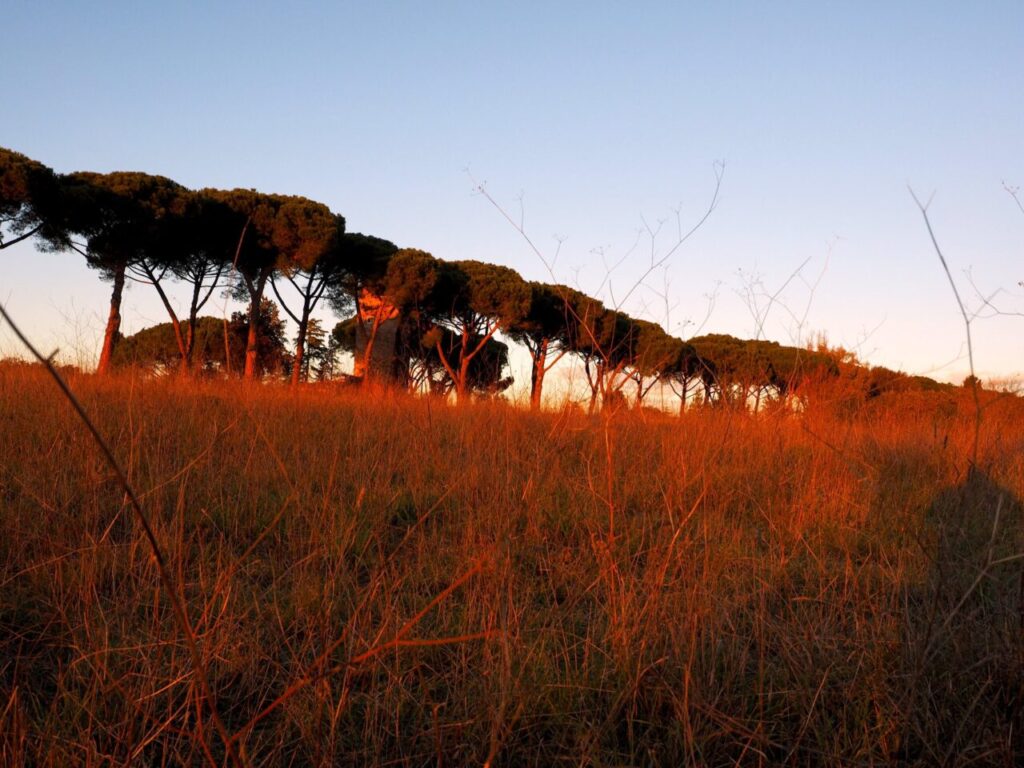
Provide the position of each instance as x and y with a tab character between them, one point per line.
591	117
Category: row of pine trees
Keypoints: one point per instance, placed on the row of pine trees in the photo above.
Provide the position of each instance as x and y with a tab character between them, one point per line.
150	229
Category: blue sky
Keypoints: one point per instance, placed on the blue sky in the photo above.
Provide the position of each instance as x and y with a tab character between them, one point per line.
594	118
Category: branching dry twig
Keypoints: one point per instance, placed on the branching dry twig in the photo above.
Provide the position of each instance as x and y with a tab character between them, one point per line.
318	672
923	207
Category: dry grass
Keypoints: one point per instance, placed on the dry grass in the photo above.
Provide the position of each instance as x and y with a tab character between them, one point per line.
405	583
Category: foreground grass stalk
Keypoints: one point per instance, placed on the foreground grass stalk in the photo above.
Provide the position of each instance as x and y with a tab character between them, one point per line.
177	606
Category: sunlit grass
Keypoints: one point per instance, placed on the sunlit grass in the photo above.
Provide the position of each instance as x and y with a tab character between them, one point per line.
833	587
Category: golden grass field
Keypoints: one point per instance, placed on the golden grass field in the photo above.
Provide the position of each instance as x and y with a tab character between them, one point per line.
379	579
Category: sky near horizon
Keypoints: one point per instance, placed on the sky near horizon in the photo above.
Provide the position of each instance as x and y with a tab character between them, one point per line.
593	122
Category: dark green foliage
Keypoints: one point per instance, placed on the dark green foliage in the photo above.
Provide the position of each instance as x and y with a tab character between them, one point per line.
881	380
547	319
343	335
366	259
545	330
409	281
155	348
486	372
276	233
741	368
311	281
468	301
125	217
485	297
127	222
418	354
30	201
653	350
319	356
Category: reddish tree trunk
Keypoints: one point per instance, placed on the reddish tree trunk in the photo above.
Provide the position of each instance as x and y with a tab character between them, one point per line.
371	338
252	342
462	385
113	322
179	337
537	374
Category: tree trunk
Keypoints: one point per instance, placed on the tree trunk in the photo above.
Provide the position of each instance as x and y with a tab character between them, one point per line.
460	378
462	384
300	349
182	348
190	334
193	311
706	380
593	381
251	344
370	339
309	299
537	374
227	348
113	322
190	341
179	338
300	344
252	340
682	397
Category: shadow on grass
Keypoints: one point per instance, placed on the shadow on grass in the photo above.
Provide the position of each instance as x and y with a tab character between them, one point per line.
964	644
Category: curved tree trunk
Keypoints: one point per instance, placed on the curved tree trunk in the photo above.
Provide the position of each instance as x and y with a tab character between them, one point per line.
365	366
682	397
113	322
179	337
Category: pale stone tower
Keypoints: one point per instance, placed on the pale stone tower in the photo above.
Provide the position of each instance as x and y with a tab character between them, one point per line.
378	325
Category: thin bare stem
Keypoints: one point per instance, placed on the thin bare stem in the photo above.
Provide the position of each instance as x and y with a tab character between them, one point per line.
923	207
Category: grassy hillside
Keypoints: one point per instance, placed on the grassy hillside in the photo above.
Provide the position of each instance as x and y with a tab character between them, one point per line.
405	583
